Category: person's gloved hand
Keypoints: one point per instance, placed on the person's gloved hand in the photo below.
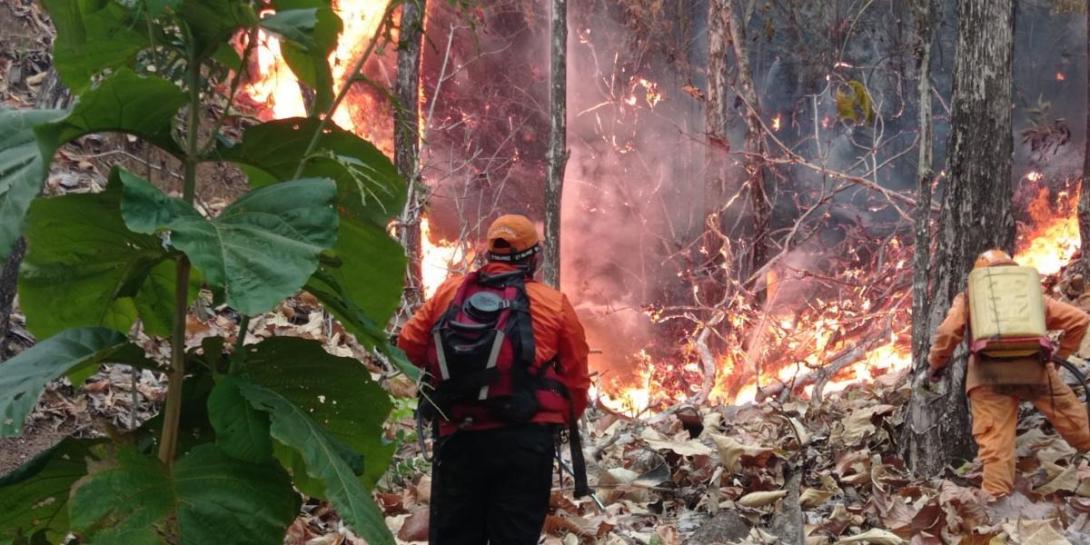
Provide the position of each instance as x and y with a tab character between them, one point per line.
935	375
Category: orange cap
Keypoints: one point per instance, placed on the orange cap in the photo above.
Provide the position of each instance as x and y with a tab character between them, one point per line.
517	233
993	258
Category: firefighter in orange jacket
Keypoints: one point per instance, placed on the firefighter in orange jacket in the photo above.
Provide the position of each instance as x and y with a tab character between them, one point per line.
506	359
996	387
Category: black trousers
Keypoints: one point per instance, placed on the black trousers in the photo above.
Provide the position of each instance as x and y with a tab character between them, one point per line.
491	487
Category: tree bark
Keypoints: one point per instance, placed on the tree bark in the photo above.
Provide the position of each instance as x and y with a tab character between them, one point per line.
755	143
976	214
1084	187
715	112
558	149
921	267
407	144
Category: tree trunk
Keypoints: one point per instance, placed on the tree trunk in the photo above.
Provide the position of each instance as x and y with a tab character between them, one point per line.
52	94
921	268
715	112
976	213
755	143
558	148
407	144
1084	188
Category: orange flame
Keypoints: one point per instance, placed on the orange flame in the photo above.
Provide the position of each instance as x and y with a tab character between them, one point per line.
440	259
1053	238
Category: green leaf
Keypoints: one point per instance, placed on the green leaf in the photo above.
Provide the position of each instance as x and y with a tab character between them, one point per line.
125	102
324	460
83	266
22	170
208	498
367	266
92	35
34	498
310	36
211	23
369	189
260	249
336	392
23	377
241	430
369	269
155	299
327	288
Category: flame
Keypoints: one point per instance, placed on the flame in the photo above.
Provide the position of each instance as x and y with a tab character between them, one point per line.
276	86
776	122
1052	239
1060	76
439	259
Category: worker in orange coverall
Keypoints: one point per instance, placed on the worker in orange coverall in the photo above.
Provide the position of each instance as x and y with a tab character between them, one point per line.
500	397
996	387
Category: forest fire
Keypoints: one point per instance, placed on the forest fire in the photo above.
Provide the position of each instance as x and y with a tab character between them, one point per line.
813	344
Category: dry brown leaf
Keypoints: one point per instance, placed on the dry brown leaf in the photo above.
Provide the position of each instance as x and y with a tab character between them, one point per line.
874	537
415	527
1066	481
813	497
860	424
733	454
761	499
691	447
1046	535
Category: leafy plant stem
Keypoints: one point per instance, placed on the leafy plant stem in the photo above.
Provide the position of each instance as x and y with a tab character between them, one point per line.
238	355
343	92
173	411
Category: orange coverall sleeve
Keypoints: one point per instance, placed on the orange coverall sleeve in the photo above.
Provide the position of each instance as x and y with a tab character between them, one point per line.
950	333
572	353
1071	320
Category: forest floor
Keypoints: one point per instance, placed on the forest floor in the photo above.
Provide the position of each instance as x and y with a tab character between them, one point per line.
818	472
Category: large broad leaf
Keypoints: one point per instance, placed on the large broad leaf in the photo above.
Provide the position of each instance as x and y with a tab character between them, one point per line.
21	169
208	498
92	35
365	276
260	249
336	392
154	300
23	377
310	35
241	430
324	461
368	186
326	286
211	23
124	102
34	498
83	266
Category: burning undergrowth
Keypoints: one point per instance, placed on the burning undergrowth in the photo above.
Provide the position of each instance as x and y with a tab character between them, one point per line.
656	258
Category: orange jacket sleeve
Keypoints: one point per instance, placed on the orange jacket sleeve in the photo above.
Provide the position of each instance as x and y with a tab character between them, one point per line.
950	333
1069	319
572	354
415	334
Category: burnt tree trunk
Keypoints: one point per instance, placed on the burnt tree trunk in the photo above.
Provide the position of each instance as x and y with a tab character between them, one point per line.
52	94
755	142
1084	188
407	144
921	268
976	214
558	148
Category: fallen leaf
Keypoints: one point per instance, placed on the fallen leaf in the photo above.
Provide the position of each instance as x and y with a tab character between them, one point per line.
813	497
874	537
1066	481
761	499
